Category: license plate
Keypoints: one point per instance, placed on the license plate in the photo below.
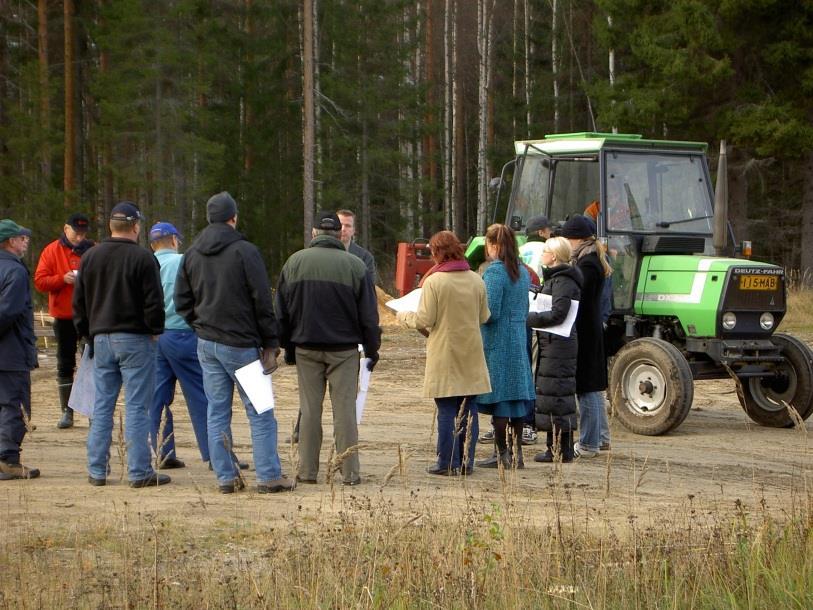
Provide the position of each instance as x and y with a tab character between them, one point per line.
758	282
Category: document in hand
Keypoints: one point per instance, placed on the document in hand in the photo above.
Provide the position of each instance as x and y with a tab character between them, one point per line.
364	385
544	302
408	302
256	385
83	393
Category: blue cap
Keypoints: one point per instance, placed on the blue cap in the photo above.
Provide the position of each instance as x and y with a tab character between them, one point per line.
163	229
126	210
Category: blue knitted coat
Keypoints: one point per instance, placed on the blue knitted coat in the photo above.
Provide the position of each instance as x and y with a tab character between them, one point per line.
504	336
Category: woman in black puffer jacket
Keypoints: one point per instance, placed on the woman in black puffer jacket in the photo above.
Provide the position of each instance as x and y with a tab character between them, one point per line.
555	375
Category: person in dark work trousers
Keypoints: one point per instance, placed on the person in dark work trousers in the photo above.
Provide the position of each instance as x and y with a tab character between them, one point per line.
18	349
56	276
118	304
327	306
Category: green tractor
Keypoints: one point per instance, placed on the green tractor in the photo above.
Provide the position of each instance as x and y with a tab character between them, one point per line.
683	307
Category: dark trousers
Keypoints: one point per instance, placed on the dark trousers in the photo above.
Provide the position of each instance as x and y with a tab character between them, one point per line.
15	395
66	339
453	420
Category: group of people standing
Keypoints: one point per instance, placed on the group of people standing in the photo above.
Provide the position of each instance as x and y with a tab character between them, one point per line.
477	327
151	319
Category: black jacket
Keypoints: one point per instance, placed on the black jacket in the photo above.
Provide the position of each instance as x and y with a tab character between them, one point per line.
365	256
555	377
591	375
326	299
118	290
222	290
18	345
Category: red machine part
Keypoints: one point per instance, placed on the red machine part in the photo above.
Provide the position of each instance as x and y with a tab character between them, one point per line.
413	260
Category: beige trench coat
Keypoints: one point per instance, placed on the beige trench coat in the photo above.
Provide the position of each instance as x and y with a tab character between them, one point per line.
453	305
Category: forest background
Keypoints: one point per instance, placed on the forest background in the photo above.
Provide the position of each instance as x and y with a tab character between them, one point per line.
400	110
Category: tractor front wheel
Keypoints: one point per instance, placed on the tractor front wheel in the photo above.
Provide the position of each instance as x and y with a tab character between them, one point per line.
764	398
651	386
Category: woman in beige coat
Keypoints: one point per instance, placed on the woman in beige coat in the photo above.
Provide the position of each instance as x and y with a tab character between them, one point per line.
452	307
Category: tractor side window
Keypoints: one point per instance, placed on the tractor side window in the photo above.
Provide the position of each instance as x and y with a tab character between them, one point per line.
575	185
530	196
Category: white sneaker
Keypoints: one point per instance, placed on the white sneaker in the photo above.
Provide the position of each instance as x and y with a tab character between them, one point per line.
580	452
529	436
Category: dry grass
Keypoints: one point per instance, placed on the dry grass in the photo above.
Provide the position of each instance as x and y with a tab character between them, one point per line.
799	316
371	556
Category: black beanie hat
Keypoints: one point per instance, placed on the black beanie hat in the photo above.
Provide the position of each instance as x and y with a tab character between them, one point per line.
220	208
578	227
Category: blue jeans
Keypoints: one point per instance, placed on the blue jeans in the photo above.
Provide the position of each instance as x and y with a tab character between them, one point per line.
452	424
176	359
218	362
128	358
591	414
605	428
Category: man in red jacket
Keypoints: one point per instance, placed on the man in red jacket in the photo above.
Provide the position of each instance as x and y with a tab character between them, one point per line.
56	273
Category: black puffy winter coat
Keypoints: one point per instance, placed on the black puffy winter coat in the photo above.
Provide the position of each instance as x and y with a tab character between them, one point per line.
555	377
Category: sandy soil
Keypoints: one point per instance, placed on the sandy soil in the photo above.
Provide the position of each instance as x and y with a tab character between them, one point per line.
716	461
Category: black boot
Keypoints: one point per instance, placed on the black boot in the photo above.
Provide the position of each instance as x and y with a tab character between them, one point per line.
65	385
546	456
566	442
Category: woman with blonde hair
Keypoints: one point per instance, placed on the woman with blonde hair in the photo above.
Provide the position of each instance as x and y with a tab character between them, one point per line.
555	373
452	306
504	335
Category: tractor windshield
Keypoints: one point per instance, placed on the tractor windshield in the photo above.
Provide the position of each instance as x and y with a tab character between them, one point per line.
657	192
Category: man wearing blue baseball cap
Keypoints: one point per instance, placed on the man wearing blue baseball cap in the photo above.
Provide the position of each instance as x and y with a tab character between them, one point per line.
118	304
176	358
18	349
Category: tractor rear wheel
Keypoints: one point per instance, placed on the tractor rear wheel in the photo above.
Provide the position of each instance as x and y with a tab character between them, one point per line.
651	386
764	398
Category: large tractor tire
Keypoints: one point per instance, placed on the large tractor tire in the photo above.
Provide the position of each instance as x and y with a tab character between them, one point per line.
764	397
651	386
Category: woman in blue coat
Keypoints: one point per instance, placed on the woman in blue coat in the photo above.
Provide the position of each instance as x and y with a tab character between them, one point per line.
504	337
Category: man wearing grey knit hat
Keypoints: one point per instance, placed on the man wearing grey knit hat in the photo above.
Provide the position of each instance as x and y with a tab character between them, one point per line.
222	292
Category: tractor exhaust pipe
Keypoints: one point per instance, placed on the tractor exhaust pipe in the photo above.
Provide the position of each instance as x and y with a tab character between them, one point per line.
721	204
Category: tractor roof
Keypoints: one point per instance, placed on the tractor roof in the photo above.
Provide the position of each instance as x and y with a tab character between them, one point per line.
592	142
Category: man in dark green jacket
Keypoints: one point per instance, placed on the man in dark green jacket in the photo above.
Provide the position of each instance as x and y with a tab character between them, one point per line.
326	307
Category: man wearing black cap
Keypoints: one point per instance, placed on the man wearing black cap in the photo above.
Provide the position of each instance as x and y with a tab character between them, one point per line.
327	306
119	305
56	275
18	349
222	292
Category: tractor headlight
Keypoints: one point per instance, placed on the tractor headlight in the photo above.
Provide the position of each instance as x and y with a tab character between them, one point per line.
729	320
766	321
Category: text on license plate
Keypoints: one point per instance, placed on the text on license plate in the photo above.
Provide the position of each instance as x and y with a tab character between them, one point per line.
758	282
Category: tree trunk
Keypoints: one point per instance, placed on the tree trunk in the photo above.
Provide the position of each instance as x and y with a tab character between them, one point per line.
45	100
527	69
307	119
430	145
448	8
554	61
317	108
484	39
68	184
806	262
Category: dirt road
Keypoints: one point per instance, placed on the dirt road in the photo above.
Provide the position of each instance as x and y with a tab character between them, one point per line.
716	461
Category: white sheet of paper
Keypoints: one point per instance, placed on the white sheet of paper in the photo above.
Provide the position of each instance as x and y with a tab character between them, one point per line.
544	302
408	302
364	385
256	385
83	392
